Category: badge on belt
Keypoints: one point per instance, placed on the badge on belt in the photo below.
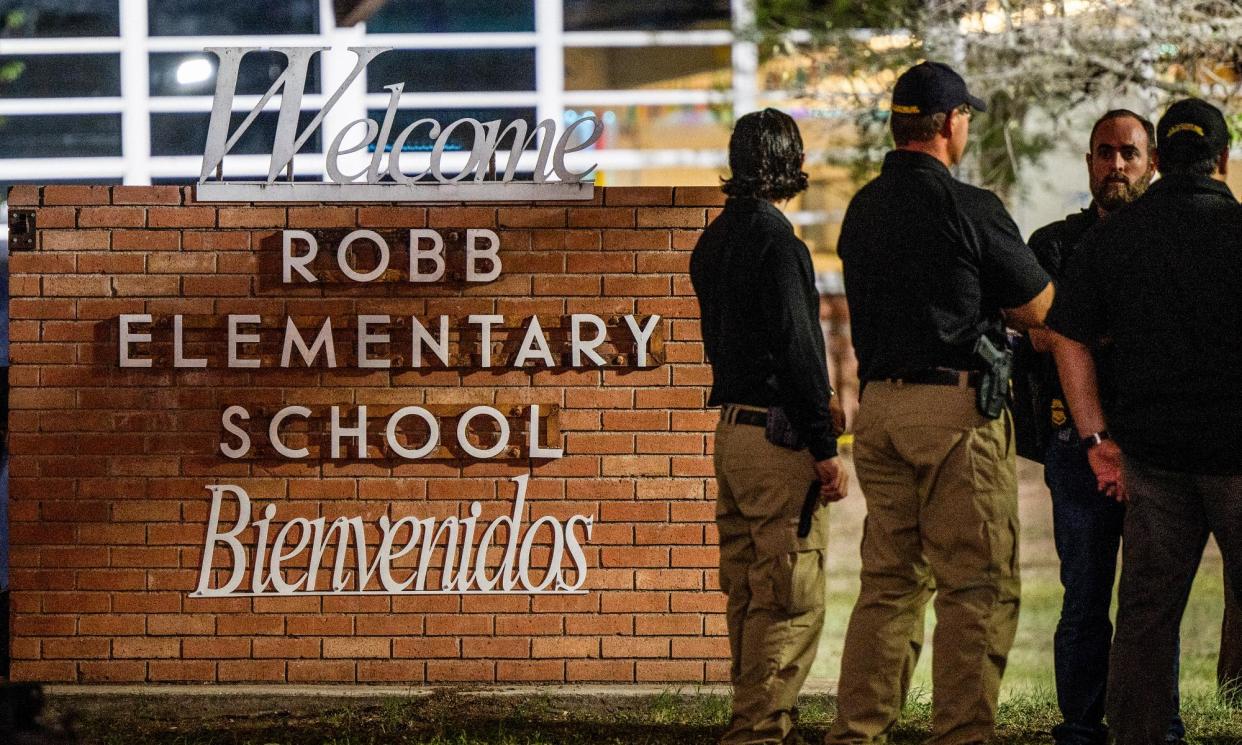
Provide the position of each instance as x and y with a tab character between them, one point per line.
1059	417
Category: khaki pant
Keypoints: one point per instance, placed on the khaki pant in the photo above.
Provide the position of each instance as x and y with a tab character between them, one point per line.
775	581
941	491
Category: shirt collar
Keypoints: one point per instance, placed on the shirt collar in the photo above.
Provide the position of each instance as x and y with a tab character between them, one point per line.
754	204
1185	183
913	159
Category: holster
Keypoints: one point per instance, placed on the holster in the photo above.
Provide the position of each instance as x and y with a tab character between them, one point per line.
780	431
997	364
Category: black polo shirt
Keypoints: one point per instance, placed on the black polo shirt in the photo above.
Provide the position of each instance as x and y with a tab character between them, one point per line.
929	264
760	318
1054	244
1162	279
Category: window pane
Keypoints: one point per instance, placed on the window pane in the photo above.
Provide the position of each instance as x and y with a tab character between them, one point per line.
59	75
53	18
699	127
454	70
461	138
620	68
592	15
194	73
221	17
60	135
440	16
186	134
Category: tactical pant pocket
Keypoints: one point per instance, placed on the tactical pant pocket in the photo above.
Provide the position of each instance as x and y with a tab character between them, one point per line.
800	586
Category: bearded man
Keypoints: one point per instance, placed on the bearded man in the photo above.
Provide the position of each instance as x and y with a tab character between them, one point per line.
1087	524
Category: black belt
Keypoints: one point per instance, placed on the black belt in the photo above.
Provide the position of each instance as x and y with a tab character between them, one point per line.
736	415
940	376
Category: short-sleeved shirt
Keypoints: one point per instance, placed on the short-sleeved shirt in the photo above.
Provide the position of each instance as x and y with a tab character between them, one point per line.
1162	279
1053	245
929	264
759	311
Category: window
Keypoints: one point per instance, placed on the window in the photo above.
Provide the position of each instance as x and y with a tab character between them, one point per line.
60	135
186	134
57	18
441	16
620	68
610	15
440	70
59	75
232	17
694	127
194	73
461	137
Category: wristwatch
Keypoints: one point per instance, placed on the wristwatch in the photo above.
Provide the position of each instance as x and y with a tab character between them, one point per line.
1094	439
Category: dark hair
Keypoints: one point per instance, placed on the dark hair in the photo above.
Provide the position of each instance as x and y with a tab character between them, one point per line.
1148	127
907	128
765	157
1175	163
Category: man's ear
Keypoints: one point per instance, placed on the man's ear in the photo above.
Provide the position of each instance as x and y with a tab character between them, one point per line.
946	129
1222	161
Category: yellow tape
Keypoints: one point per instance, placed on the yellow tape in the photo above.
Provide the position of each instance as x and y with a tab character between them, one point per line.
1184	127
907	109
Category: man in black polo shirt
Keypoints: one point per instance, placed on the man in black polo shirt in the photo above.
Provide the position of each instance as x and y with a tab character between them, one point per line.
760	321
1163	281
1086	524
931	266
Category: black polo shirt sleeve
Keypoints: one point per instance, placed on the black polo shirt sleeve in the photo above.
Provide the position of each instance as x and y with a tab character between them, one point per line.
1079	311
796	344
1008	269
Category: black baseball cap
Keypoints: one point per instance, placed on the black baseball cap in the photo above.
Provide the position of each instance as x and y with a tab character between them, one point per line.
932	88
1192	129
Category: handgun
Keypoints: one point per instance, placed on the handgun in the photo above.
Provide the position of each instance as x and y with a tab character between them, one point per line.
808	509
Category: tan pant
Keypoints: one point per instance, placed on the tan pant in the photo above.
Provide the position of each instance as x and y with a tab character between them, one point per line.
941	491
775	581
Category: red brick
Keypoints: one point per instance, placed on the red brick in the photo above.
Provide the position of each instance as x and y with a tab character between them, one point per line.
23	195
668	671
251	217
698	196
638	196
676	217
392	217
532	671
146	240
531	217
112	217
146	195
66	194
252	671
461	217
181	217
320	671
74	240
460	671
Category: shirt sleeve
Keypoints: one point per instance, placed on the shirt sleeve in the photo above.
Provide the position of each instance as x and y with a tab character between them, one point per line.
1079	310
1009	271
796	344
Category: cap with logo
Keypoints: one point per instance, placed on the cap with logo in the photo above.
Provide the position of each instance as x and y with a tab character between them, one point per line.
932	88
1192	129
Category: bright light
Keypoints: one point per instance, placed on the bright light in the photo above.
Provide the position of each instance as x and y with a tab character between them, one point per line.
194	71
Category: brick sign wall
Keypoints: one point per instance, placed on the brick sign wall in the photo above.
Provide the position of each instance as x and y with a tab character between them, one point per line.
110	465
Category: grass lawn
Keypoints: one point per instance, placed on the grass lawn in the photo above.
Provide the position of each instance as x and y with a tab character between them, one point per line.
1030	663
679	716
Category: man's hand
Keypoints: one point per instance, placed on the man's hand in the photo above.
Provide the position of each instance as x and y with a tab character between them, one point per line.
838	415
834	480
1105	460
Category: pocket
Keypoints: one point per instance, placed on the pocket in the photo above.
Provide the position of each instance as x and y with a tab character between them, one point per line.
800	586
990	447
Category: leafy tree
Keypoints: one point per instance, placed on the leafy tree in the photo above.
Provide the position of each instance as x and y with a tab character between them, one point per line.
1025	57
